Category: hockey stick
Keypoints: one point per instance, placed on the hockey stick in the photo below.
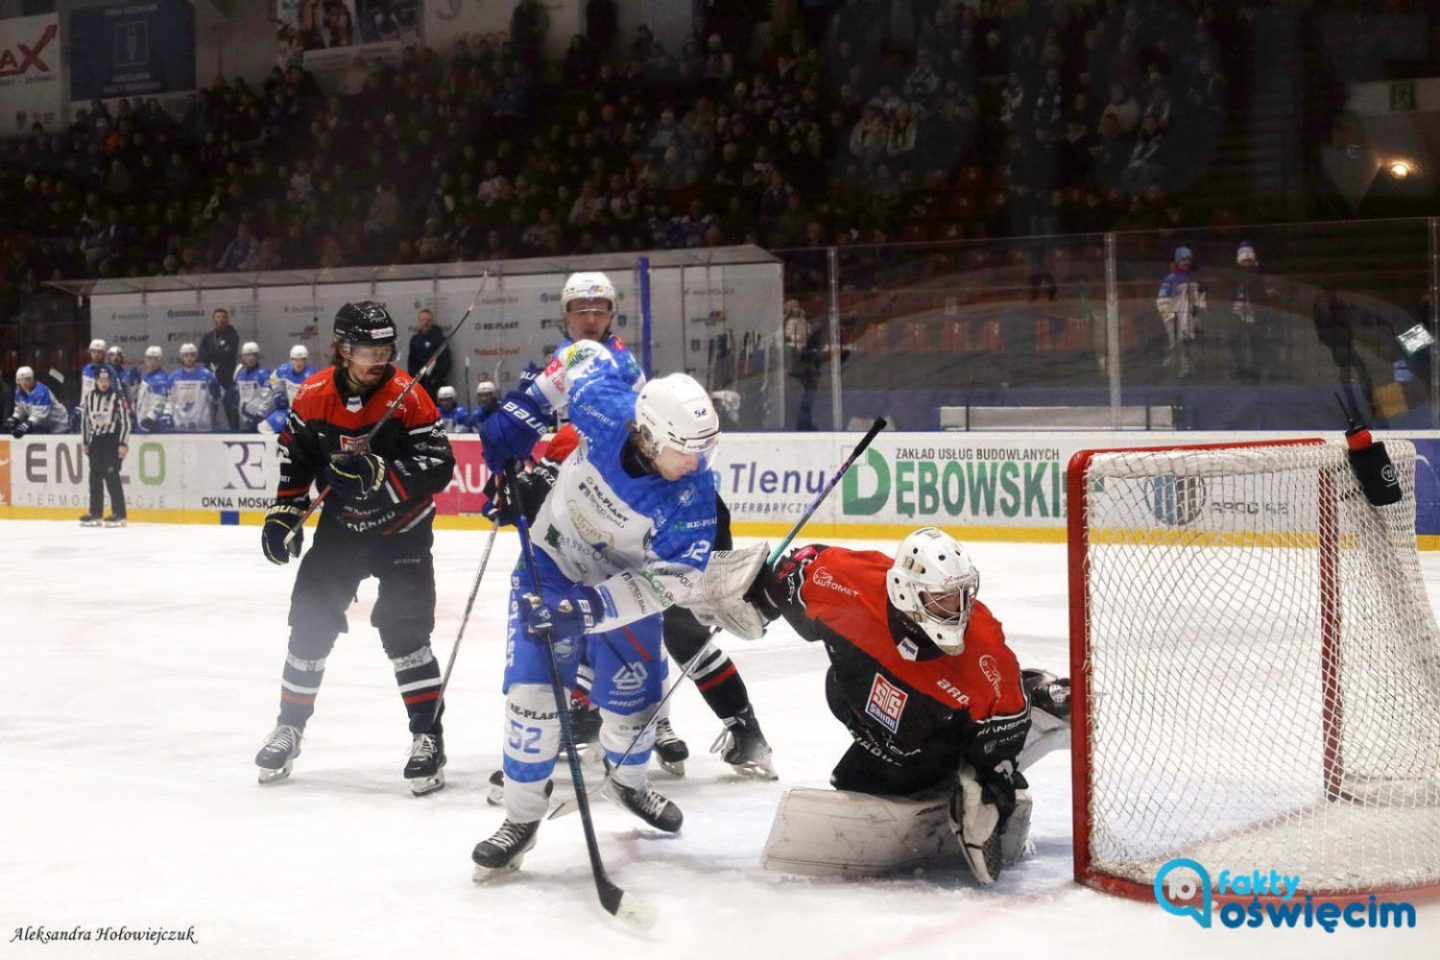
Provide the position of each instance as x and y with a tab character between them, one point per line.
396	404
469	605
564	807
617	902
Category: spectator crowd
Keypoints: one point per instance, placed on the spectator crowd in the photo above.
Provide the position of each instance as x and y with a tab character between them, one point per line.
1060	116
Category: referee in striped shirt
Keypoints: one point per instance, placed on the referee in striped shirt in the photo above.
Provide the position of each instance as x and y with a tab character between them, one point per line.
106	428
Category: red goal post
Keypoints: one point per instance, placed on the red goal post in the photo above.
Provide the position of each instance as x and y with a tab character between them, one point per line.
1255	669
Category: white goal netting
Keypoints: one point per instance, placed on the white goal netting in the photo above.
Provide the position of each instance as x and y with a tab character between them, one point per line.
1262	669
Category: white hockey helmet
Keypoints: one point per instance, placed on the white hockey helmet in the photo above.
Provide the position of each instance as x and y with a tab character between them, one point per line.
97	344
24	373
484	387
675	411
154	351
298	352
250	347
933	583
445	393
591	284
115	351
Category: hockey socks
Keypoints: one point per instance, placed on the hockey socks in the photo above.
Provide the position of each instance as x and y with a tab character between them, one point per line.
299	685
418	675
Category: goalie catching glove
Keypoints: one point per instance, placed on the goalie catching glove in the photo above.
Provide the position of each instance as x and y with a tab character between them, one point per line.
722	597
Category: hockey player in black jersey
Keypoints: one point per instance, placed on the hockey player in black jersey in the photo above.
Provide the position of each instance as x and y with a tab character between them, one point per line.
376	521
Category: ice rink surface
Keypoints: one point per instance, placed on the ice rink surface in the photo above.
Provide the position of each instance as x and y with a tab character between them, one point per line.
142	672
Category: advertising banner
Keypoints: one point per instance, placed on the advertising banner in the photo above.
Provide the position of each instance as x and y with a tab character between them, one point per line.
132	49
984	487
29	74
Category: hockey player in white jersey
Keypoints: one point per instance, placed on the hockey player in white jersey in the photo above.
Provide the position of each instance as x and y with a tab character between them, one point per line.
286	381
129	382
194	393
453	415
36	409
254	396
627	532
97	360
152	400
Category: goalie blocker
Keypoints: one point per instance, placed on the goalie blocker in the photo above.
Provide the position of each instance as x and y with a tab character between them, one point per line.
934	700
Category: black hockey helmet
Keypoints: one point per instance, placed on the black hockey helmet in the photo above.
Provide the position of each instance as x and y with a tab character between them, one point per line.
365	323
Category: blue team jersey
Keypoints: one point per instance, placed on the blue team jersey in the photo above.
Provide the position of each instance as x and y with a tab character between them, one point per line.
641	541
152	401
37	407
454	420
194	394
254	395
287	382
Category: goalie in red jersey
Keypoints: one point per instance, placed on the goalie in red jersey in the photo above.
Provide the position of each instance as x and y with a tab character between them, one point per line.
935	701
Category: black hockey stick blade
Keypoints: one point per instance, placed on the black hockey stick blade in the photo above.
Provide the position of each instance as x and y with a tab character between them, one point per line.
625	907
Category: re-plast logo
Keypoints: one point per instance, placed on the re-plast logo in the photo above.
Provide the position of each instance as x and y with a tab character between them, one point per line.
1183	887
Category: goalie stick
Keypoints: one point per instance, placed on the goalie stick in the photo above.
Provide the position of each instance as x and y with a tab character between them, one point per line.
364	445
568	806
617	902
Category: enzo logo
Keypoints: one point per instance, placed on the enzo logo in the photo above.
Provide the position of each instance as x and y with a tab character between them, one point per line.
887	703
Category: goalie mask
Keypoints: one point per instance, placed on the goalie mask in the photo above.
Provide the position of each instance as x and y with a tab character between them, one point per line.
933	584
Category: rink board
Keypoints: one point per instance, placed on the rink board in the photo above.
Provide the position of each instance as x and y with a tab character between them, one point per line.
978	486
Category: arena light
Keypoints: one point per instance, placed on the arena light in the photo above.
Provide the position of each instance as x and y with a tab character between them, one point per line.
1400	169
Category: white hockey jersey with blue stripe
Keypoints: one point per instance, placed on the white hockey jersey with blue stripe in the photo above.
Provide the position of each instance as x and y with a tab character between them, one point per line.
39	408
287	383
254	394
152	402
641	541
194	395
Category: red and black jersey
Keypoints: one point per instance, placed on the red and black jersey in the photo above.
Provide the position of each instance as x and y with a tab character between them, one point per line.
326	418
899	696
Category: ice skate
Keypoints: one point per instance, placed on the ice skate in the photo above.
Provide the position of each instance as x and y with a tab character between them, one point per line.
426	767
114	521
90	520
503	852
670	751
496	794
646	804
742	745
278	754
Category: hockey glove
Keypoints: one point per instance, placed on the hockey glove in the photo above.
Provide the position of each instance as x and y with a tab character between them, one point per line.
20	428
357	476
777	587
565	617
990	814
531	489
282	518
511	432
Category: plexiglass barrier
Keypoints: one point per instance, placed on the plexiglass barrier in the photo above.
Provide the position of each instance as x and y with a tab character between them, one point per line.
1257	328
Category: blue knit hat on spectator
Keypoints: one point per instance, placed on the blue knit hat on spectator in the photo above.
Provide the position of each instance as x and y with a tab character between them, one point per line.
1183	253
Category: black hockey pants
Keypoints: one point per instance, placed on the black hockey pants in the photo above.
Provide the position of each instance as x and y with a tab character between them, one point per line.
105	474
404	614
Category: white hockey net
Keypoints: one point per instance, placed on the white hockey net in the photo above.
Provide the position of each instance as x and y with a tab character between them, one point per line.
1261	670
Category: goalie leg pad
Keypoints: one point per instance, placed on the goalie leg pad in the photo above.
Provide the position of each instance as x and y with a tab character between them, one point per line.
989	839
822	833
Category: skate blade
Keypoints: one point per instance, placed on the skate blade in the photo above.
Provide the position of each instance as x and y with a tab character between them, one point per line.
676	768
756	770
484	875
90	523
266	775
114	523
420	786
